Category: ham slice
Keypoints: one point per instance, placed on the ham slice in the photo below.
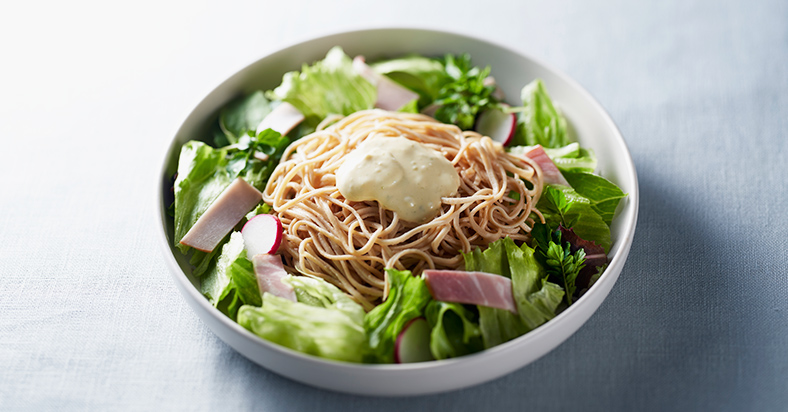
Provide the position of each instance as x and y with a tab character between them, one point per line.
391	96
475	288
282	119
222	215
270	272
550	173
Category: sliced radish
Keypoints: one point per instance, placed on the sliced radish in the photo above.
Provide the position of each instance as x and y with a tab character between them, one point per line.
262	234
497	124
413	342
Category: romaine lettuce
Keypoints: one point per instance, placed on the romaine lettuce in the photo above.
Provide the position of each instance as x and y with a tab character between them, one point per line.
231	282
202	177
540	122
455	330
408	296
536	298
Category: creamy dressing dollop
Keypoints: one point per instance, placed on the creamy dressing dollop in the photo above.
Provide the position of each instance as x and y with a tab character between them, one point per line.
402	175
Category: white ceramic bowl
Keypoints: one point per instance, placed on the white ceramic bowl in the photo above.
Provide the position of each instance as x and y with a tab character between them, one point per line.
591	124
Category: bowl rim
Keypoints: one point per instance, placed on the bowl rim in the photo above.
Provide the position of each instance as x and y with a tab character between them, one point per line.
616	264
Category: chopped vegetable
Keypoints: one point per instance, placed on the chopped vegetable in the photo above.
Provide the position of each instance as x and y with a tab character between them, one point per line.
408	296
330	86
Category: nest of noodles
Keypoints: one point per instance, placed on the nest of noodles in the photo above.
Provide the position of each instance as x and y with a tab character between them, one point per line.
350	244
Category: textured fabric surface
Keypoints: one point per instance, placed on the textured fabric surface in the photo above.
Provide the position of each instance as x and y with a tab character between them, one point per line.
90	94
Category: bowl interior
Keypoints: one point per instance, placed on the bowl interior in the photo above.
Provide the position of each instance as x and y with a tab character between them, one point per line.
512	70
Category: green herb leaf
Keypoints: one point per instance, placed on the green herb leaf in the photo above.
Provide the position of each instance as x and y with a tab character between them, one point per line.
603	194
465	94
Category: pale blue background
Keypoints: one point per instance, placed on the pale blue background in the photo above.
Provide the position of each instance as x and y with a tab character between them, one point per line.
90	94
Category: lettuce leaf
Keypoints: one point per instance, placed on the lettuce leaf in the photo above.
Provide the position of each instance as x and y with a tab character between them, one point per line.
202	177
204	173
408	296
561	205
569	158
243	115
321	294
334	331
572	158
536	298
455	330
539	122
603	194
328	86
423	75
231	282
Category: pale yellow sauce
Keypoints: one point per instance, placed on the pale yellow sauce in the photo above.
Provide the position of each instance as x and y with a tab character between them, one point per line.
404	176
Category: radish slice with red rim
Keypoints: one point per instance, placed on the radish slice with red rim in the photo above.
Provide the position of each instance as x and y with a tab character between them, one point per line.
497	124
262	234
413	342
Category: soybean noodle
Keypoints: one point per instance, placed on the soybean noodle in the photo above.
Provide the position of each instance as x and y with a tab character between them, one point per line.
349	244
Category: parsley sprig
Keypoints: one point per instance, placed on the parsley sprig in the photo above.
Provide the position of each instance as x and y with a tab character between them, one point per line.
564	265
465	93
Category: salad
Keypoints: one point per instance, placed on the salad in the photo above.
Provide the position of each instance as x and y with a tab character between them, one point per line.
502	289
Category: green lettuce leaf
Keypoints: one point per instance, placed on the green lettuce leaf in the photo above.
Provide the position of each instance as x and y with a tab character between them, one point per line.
561	205
231	282
328	86
321	294
408	296
423	75
202	177
603	194
243	115
536	298
539	122
572	158
455	330
334	331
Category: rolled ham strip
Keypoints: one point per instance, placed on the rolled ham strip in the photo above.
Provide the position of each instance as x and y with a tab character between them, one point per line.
222	215
282	119
550	173
475	288
391	96
270	272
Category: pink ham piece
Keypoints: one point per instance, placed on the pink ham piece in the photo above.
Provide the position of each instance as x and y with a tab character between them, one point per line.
550	172
391	96
475	288
282	119
222	215
270	272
